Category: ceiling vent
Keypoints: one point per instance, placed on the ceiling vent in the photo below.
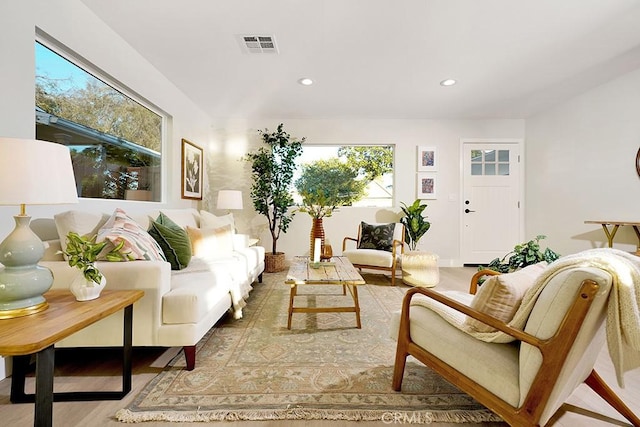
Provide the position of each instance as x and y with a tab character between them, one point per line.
257	43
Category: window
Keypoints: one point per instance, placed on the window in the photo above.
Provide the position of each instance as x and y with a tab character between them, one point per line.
489	162
363	173
115	141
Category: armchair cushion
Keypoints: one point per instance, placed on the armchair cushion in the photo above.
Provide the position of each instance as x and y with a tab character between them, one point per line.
500	296
379	237
372	257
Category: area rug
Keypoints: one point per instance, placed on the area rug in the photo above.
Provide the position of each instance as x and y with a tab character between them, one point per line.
255	368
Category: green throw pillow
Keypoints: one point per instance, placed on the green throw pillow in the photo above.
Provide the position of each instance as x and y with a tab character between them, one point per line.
173	240
378	237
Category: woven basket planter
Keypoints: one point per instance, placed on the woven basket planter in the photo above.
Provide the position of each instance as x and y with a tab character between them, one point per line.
274	262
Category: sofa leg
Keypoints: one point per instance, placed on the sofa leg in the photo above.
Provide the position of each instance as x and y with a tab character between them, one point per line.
190	356
260	278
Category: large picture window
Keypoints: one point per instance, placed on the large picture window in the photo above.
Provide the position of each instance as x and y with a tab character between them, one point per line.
115	141
361	174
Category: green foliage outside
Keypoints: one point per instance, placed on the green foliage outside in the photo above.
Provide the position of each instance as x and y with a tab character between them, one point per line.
100	107
415	225
523	254
327	184
370	162
272	169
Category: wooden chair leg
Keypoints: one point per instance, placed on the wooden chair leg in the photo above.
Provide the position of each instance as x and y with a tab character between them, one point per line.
597	384
398	368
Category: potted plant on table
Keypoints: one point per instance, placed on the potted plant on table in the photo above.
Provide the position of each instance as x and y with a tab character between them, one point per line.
83	253
418	268
272	168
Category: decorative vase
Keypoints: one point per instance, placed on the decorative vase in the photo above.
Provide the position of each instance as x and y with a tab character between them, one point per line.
86	290
317	232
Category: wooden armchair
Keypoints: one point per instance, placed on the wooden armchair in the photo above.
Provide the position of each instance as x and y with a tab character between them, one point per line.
376	259
525	381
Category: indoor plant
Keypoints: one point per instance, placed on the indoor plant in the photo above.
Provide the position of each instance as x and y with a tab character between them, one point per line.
272	168
523	254
82	253
415	225
418	268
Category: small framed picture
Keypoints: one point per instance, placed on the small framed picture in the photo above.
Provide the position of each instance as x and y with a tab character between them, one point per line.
426	186
192	160
427	159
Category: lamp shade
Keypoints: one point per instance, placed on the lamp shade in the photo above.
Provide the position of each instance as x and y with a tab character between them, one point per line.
229	199
34	172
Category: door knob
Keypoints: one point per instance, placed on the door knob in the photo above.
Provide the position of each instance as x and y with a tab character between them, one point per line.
468	210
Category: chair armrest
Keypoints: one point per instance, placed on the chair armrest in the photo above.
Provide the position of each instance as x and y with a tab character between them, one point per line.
344	242
473	286
394	245
482	317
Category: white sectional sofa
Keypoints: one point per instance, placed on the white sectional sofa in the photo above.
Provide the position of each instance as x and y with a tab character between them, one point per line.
179	306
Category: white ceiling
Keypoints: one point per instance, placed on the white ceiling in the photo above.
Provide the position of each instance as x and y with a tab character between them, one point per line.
382	58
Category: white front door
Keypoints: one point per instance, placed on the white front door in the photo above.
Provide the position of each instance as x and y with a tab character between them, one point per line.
490	201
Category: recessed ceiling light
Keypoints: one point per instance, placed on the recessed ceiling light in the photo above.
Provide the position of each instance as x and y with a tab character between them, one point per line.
448	82
305	81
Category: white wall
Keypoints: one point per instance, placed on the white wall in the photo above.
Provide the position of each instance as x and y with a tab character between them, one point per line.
581	166
233	139
75	26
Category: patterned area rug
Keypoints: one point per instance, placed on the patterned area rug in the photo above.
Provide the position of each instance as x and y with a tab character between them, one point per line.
323	368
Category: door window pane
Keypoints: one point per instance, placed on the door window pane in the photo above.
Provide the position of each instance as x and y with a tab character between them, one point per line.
476	169
503	169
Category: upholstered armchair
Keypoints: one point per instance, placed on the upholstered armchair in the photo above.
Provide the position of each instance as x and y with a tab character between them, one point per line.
377	247
522	369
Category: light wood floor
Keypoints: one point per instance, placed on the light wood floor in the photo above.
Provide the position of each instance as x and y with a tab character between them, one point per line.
99	369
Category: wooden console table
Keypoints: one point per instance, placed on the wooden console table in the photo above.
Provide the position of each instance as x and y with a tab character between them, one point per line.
615	225
36	334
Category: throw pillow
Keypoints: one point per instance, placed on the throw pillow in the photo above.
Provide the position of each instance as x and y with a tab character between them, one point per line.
500	296
137	242
211	242
209	220
173	240
378	237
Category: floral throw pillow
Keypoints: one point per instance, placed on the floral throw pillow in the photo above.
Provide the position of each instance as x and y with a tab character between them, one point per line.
378	237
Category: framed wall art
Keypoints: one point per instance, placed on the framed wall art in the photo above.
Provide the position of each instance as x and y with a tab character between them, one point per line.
426	186
427	159
192	161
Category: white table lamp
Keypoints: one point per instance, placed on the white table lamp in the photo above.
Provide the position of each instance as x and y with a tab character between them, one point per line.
32	172
229	200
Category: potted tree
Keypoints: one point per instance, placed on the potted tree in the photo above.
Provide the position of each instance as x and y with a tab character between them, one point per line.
83	253
419	268
272	169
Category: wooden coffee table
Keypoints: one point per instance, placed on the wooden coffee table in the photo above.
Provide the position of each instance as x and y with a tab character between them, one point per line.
338	271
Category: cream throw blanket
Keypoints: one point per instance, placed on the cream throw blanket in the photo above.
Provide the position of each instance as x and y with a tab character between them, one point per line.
623	310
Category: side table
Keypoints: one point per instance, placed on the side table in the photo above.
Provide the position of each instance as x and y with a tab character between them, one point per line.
36	334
